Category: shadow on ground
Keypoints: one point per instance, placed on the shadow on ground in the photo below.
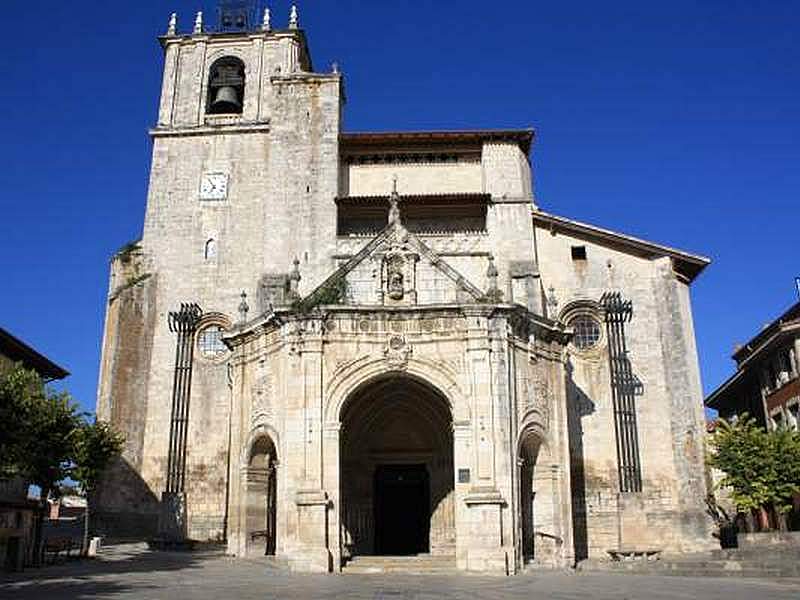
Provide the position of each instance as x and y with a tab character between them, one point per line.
91	578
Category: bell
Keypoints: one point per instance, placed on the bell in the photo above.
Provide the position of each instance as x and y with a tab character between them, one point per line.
226	101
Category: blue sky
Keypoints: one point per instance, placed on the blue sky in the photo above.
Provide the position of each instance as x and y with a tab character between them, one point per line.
677	122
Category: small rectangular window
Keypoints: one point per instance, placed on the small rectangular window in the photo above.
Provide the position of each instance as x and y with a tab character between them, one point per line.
579	253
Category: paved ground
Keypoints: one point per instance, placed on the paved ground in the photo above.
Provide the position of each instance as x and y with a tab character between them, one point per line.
127	573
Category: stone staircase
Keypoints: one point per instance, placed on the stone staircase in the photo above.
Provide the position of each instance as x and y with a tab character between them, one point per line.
756	562
421	564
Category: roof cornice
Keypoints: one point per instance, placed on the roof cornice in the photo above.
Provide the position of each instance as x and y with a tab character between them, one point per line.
688	265
404	141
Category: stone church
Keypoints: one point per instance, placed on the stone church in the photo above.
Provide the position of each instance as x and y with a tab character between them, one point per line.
331	344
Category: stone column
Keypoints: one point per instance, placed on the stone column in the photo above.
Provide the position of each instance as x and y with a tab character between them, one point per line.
481	529
236	478
331	482
311	553
561	466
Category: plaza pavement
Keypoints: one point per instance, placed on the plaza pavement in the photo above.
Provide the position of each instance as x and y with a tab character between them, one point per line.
131	572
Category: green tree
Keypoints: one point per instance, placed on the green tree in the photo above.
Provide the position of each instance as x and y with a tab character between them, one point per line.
45	440
40	447
761	469
95	446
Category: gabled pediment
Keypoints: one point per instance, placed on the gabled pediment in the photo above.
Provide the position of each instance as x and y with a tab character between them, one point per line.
396	268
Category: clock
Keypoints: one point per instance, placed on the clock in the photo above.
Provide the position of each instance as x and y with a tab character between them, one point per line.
214	186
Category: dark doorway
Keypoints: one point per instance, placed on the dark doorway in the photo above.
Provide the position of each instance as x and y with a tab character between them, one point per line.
271	512
402	510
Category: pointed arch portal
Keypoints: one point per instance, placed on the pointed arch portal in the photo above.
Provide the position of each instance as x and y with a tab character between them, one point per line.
261	497
397	479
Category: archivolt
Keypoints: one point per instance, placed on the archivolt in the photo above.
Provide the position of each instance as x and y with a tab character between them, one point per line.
263	430
360	373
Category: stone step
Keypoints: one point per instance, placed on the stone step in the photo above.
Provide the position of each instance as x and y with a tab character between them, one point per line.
719	573
701	566
760	553
418	564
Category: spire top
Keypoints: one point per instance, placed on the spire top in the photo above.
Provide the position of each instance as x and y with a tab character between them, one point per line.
295	275
294	19
266	23
243	308
491	271
198	22
394	199
172	28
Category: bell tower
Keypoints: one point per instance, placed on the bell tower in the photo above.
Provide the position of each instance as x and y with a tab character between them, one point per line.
207	69
245	151
243	182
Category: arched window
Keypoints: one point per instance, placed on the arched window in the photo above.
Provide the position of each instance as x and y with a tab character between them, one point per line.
210	251
226	87
587	332
209	342
585	318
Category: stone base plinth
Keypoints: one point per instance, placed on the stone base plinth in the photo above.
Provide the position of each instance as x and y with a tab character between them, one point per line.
310	561
172	517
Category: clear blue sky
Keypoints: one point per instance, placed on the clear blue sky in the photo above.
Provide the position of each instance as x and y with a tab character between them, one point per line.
678	122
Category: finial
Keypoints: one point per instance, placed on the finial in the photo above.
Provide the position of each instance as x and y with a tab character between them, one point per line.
492	293
394	208
172	28
335	67
266	24
552	299
243	308
198	22
294	20
294	280
491	271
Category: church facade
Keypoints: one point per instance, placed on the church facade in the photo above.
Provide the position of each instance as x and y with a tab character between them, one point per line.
330	344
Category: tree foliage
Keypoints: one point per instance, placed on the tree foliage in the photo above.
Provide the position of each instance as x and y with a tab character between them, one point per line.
46	440
40	425
761	468
94	447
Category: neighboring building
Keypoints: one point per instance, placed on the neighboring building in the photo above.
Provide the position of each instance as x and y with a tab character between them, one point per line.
424	360
14	350
16	510
66	507
766	383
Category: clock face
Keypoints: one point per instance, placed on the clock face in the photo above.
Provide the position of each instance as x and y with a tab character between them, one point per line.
214	186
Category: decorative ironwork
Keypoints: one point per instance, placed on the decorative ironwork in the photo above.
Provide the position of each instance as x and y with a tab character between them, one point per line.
237	15
184	324
624	385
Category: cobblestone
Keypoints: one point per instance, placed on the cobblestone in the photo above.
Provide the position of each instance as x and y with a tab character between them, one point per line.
132	572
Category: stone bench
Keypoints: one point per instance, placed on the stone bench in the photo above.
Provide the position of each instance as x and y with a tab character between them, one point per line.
54	546
635	554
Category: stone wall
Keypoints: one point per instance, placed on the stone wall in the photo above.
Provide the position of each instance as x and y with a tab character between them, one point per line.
412	178
669	511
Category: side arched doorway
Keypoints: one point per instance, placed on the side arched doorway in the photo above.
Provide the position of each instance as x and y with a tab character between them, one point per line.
539	539
261	496
396	477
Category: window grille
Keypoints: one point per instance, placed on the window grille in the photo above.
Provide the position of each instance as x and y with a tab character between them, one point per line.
623	388
587	332
210	342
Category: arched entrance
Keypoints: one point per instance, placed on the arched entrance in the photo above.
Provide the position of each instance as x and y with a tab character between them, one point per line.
396	473
260	497
539	540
